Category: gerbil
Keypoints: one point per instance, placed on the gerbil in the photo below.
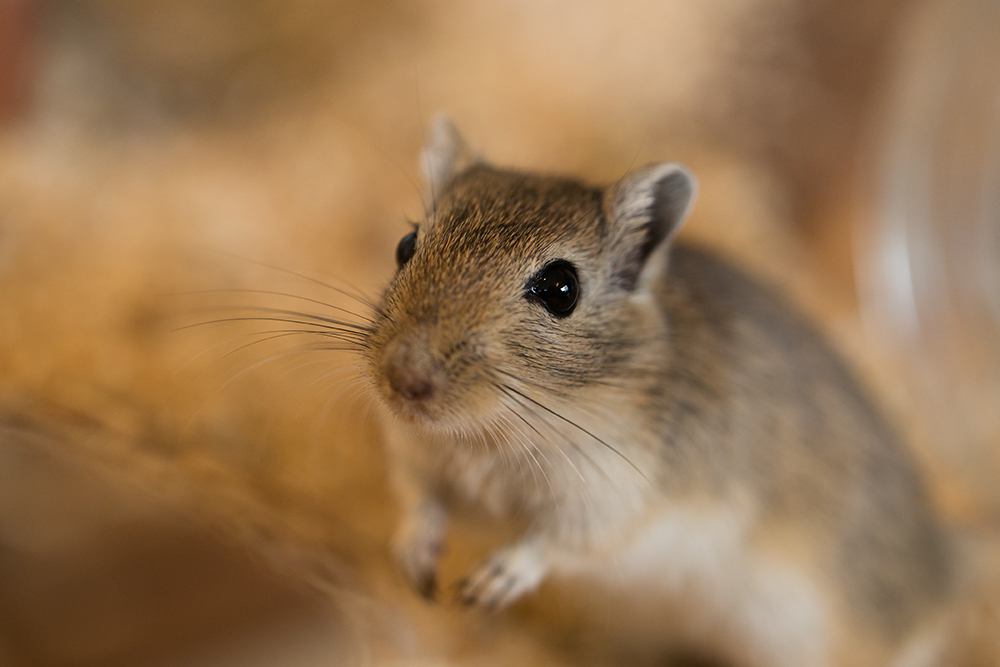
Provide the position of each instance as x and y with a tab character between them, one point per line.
547	348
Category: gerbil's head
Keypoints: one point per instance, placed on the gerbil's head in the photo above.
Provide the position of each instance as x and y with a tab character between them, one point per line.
517	288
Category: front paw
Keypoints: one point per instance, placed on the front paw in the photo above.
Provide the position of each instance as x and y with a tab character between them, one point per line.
417	557
504	577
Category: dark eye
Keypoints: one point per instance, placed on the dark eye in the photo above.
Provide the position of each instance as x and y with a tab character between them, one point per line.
405	249
556	287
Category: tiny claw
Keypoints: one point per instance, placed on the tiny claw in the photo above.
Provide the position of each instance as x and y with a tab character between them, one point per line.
502	579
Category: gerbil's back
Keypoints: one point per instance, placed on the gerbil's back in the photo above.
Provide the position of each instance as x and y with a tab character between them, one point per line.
755	386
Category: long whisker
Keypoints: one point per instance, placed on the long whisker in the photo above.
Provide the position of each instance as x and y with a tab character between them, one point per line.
348	335
572	423
554	370
347	378
585	490
315	320
572	443
507	452
268	336
342	344
248	369
226	342
556	446
501	444
233	290
526	446
523	441
311	320
357	295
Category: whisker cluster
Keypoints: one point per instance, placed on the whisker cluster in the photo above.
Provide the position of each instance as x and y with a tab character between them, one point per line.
545	413
290	325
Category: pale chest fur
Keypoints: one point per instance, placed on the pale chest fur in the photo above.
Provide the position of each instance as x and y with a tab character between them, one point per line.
582	470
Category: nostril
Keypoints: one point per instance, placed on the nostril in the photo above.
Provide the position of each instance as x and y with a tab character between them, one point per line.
417	390
411	371
411	386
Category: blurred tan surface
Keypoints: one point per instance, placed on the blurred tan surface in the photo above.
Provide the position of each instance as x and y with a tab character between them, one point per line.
177	494
94	573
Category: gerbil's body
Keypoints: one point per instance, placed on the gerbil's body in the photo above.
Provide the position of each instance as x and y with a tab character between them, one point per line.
651	411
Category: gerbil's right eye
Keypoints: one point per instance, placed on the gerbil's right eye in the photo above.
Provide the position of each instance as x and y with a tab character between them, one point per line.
556	287
404	251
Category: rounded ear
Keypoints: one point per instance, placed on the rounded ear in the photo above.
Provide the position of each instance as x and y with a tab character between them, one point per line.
445	156
645	211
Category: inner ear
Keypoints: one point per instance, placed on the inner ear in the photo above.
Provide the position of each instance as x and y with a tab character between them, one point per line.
646	210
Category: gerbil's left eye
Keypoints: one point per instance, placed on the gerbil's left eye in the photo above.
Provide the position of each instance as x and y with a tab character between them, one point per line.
556	287
404	251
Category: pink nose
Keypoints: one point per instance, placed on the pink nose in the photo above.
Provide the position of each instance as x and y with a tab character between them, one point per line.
410	369
409	384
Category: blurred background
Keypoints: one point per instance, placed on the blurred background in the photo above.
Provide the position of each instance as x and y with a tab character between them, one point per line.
179	490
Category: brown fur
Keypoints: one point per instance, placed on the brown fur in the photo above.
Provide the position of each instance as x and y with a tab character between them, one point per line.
676	383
